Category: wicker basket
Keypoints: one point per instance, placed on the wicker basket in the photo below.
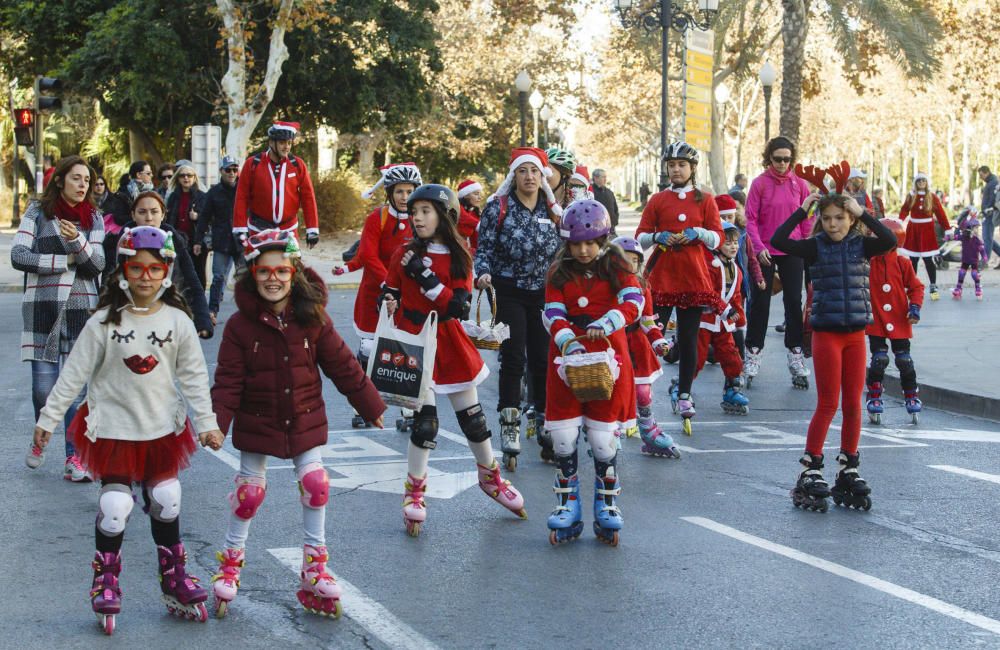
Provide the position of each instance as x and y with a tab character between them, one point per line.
480	343
591	382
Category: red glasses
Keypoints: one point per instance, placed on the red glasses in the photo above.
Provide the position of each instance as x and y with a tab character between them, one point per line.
154	271
281	273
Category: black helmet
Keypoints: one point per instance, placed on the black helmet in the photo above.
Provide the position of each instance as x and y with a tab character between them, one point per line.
680	151
441	195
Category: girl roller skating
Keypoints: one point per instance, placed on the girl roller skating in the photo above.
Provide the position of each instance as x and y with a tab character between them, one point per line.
973	253
645	342
731	210
133	352
434	274
386	230
268	386
590	298
719	330
897	296
919	212
837	256
681	222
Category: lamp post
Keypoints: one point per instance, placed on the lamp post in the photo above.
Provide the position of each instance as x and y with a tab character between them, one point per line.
665	15
768	75
546	116
523	84
536	100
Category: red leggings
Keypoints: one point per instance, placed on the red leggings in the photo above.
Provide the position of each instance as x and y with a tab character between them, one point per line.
839	362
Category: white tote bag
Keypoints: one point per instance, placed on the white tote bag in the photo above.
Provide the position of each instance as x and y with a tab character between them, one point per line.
402	364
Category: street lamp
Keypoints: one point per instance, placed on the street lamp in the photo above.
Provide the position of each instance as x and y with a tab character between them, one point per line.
768	75
545	114
536	100
665	15
523	84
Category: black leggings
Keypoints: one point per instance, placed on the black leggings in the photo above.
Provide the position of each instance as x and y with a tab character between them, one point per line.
790	270
876	373
165	533
930	266
528	344
688	324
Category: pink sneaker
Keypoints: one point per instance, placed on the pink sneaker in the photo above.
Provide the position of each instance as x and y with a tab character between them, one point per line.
74	471
35	456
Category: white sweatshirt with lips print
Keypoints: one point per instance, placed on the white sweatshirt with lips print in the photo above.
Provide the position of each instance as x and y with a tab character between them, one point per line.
138	375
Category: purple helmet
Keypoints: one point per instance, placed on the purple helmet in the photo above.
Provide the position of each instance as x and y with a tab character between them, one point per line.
630	245
146	238
584	220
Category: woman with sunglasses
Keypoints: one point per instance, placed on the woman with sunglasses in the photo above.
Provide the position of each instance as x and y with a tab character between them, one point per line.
268	386
773	197
183	207
164	174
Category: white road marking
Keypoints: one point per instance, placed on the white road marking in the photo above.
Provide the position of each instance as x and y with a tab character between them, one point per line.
694	450
971	473
917	598
226	457
955	435
361	609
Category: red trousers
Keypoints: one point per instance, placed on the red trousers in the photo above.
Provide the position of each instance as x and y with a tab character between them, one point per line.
839	363
725	352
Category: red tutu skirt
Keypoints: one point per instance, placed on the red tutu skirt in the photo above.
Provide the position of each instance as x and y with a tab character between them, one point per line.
138	461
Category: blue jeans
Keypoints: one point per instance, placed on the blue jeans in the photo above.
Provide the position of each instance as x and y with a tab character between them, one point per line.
990	221
43	377
221	263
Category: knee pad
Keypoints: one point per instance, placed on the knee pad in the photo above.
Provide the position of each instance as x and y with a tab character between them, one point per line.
603	444
564	439
365	349
880	361
904	362
643	394
472	421
247	496
425	428
114	507
165	500
314	486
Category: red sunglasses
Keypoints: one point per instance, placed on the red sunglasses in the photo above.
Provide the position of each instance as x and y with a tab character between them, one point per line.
154	271
282	273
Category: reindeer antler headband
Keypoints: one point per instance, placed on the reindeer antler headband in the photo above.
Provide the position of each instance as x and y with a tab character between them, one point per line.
838	172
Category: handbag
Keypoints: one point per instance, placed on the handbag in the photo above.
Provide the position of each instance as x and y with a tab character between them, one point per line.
401	365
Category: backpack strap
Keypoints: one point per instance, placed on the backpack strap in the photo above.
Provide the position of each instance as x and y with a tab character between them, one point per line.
385	215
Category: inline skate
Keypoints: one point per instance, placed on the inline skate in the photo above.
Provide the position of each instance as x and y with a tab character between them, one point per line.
850	489
733	399
913	404
751	365
674	394
685	406
934	292
874	403
797	368
510	437
654	441
811	490
956	293
607	517
500	490
182	594
414	508
979	294
566	521
105	594
226	581
318	592
404	424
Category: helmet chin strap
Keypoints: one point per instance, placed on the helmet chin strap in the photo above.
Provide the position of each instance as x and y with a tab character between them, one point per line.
123	284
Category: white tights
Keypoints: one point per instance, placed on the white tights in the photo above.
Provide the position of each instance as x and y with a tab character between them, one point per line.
418	457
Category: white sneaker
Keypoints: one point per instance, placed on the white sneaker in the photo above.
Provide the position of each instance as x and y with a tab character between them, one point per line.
751	365
74	471
35	456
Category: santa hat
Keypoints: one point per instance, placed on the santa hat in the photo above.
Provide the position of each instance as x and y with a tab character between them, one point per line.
920	176
535	156
581	174
467	187
857	173
726	203
290	127
406	170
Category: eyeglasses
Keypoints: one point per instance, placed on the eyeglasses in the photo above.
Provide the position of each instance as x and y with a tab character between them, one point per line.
232	170
781	159
264	273
138	270
185	175
166	177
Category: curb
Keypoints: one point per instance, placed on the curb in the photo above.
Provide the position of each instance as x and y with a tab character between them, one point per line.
947	399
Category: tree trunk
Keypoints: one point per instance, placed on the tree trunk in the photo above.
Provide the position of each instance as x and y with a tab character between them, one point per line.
794	29
951	158
366	154
245	112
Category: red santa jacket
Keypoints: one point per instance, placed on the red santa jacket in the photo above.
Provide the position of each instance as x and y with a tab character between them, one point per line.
468	227
728	291
894	287
273	194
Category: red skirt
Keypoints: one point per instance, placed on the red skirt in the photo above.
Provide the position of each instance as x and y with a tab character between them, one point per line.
139	461
921	239
366	305
645	363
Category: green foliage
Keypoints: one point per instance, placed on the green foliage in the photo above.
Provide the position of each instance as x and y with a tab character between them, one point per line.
338	199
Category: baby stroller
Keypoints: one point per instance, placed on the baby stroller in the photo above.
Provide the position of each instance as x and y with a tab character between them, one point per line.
951	248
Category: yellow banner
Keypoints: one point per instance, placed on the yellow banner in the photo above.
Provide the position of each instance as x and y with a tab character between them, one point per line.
697	109
702	143
698	93
699	77
699	60
697	125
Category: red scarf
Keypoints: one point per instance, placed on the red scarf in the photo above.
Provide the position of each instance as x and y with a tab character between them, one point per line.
82	213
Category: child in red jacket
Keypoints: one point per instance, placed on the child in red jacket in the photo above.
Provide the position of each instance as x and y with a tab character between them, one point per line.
433	273
470	197
897	296
268	386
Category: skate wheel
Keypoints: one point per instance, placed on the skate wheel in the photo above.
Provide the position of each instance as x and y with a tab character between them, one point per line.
413	528
221	608
522	513
338	610
202	614
749	381
510	462
553	538
867	504
686	426
876	418
915	419
676	452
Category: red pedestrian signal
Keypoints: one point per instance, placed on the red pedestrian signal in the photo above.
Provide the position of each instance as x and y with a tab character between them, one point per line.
24	117
24	127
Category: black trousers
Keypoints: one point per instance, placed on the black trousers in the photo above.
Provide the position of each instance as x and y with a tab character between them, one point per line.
929	265
907	374
688	324
528	345
790	270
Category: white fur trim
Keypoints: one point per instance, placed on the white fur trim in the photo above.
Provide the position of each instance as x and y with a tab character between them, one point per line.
469	189
534	160
650	379
447	389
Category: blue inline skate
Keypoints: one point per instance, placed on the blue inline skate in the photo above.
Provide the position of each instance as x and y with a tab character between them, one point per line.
654	441
565	523
874	402
607	516
913	404
734	401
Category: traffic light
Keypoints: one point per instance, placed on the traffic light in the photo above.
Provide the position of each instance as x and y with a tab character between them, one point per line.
45	102
24	126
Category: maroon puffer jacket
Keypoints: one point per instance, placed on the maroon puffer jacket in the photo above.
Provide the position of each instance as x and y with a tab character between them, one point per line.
268	385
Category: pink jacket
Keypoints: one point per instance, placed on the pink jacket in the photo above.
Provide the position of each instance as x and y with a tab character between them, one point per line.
772	199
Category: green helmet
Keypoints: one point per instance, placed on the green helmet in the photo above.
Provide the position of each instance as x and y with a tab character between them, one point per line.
563	158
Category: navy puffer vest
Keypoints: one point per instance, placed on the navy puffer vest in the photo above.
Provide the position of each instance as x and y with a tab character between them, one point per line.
841	299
